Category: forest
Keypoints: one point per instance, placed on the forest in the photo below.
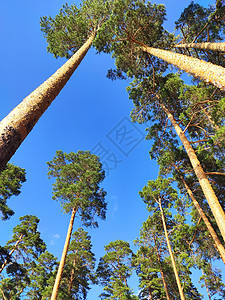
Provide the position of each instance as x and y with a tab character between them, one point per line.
112	150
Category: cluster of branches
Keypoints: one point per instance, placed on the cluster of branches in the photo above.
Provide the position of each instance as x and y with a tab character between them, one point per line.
185	229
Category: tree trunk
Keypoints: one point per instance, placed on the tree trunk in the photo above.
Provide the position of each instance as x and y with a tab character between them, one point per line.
162	273
11	252
206	71
63	258
20	121
171	254
150	294
219	247
71	277
206	286
213	202
204	46
3	295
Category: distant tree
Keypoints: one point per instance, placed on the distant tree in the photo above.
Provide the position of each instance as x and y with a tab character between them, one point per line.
114	269
11	179
24	248
26	242
160	193
70	33
156	277
78	176
42	272
78	271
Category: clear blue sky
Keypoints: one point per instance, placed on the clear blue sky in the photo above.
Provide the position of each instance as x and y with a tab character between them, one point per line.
86	112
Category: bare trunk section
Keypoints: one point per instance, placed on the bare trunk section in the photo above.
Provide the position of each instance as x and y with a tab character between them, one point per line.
206	286
11	252
71	277
213	202
206	71
3	295
150	294
204	46
63	258
162	273
15	127
219	247
171	254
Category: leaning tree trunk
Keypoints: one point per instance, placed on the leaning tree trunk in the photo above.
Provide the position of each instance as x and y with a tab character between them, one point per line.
63	258
11	252
20	121
206	71
205	46
162	272
171	253
211	197
219	247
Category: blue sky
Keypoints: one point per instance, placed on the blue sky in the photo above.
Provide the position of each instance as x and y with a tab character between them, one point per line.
87	112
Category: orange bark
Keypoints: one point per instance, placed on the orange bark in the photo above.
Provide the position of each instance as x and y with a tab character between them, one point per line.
206	71
209	193
204	46
15	127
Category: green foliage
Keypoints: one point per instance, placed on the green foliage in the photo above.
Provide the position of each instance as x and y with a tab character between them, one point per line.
78	176
42	272
11	179
24	249
67	31
132	24
114	269
79	269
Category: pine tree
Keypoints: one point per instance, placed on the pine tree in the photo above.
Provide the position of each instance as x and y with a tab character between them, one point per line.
78	176
114	269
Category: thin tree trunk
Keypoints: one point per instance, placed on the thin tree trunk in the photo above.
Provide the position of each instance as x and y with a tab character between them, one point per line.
63	258
3	295
206	286
20	121
219	247
171	254
11	252
206	71
204	46
162	273
72	277
150	294
213	202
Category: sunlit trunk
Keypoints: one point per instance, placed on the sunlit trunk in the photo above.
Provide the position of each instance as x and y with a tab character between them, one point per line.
204	46
211	197
219	247
171	254
20	121
206	71
63	258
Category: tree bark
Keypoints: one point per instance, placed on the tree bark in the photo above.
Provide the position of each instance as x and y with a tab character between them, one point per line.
205	46
15	127
162	273
213	201
171	253
63	258
206	71
219	247
11	252
72	277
